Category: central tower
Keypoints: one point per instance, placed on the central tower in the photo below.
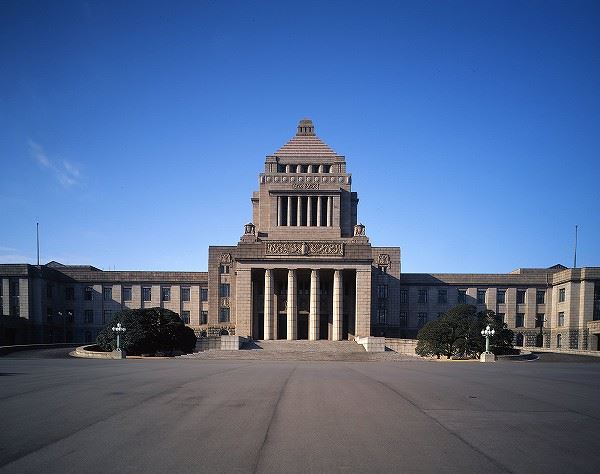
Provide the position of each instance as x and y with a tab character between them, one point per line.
304	191
303	269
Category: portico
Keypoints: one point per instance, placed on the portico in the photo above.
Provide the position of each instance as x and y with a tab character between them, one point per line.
300	301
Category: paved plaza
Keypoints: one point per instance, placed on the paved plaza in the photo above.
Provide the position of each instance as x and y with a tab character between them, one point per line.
178	415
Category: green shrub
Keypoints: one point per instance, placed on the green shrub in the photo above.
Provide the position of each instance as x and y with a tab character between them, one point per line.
148	331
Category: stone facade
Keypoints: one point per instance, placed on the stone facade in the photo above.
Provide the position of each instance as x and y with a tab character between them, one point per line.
303	269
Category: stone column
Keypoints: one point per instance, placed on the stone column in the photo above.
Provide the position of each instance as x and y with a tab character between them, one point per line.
278	211
363	302
309	211
329	213
289	209
243	303
298	211
268	311
314	314
338	309
319	206
292	309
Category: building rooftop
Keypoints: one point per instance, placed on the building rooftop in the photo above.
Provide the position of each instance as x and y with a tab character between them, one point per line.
306	144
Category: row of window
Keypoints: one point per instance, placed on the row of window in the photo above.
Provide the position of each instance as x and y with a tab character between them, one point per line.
304	168
442	297
127	293
107	315
422	318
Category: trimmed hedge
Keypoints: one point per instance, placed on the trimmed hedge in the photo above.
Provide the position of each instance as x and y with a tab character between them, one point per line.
148	331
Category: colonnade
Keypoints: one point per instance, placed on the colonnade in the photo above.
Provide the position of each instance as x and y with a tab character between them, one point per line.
314	308
298	211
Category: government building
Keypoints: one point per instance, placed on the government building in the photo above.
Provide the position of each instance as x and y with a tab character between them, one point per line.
304	268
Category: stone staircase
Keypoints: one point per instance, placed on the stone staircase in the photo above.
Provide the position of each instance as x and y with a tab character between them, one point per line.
301	350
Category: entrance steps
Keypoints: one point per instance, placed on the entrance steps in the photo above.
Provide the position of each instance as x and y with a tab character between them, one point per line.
343	347
300	350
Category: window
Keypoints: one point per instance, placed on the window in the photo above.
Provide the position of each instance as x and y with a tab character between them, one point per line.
382	291
185	294
203	294
403	321
304	168
403	296
69	293
147	293
501	297
422	296
224	315
203	317
381	315
442	296
520	320
480	296
502	317
561	295
574	341
462	296
520	296
422	319
224	269
185	317
539	320
224	290
540	296
326	168
382	268
49	291
165	293
87	293
559	340
107	293
561	319
106	316
127	293
88	316
280	168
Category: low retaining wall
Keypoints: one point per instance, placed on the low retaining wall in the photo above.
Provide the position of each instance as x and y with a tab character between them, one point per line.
401	346
232	343
372	344
565	351
82	351
31	347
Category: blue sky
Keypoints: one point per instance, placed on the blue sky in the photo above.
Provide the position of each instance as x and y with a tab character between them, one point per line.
135	131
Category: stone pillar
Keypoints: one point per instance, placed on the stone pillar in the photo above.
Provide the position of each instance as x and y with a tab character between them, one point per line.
243	302
298	211
363	302
278	211
314	315
268	310
309	211
289	209
329	213
319	206
292	309
338	308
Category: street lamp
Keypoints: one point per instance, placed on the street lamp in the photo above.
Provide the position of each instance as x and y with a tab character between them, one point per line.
487	356
118	330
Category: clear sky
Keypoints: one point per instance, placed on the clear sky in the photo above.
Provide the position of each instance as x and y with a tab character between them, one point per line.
135	131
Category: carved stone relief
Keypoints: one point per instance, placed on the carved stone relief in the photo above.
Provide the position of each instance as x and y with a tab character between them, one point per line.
308	249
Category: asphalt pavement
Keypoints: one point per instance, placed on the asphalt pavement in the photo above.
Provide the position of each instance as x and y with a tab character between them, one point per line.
84	415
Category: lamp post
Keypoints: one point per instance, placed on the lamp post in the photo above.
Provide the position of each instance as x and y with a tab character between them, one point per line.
487	356
118	330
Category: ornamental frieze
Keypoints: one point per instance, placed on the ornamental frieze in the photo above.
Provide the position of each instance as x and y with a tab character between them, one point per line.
308	249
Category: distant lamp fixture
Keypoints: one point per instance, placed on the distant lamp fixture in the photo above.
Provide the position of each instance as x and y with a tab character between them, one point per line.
487	356
118	329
